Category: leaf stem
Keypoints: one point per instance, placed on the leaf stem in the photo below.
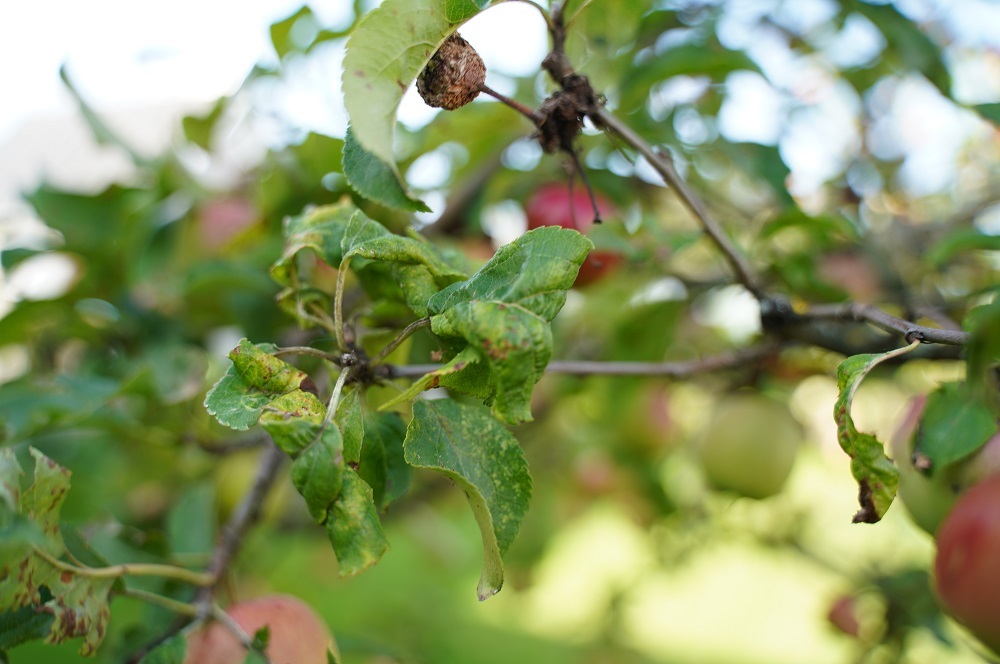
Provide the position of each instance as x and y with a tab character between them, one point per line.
137	569
664	166
403	336
331	407
178	607
338	306
308	350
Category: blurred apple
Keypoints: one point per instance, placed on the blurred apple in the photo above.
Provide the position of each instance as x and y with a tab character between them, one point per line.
967	565
555	205
749	445
296	634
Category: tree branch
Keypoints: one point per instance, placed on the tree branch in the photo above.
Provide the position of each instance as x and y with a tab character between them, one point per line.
854	311
665	167
246	513
678	369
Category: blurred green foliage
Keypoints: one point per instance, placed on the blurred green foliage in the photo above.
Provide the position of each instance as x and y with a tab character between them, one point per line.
170	271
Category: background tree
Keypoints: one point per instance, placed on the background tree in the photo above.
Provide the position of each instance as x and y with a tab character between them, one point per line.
701	398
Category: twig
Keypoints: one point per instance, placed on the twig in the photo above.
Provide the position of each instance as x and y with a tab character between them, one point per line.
136	569
243	517
854	311
688	197
665	369
529	113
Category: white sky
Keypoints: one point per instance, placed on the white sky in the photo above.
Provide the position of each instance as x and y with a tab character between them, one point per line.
126	54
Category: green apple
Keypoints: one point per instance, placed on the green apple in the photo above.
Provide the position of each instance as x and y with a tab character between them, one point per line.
749	445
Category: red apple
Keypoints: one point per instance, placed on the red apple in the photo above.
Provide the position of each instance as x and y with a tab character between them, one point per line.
297	634
967	566
554	205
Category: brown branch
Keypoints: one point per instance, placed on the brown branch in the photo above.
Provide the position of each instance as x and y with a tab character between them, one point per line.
245	515
854	311
677	369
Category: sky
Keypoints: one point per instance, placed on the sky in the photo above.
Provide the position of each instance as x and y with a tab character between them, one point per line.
130	54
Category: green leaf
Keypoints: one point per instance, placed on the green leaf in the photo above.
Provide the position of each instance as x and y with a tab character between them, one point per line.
320	229
876	474
711	60
200	129
349	421
171	651
983	350
960	241
253	382
385	53
535	271
375	179
954	424
27	623
386	431
10	481
318	471
281	31
989	111
341	233
354	528
485	460
907	43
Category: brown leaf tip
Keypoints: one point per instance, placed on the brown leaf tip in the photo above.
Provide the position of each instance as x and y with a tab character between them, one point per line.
453	76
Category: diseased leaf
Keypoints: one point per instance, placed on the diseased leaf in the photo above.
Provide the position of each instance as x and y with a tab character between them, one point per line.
535	271
954	424
255	380
497	321
77	605
513	342
354	528
467	356
876	474
320	229
318	470
366	238
485	460
293	421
